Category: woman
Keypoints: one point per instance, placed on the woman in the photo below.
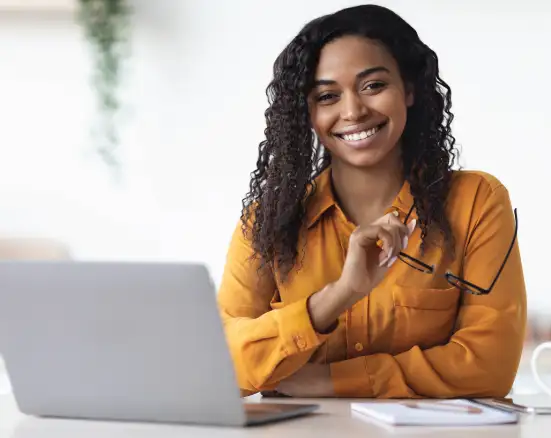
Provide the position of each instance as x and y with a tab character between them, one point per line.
363	265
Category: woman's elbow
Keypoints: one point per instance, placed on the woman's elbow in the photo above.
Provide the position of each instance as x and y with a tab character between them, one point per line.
497	383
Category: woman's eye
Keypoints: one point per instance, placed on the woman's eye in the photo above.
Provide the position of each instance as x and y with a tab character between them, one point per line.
325	97
374	86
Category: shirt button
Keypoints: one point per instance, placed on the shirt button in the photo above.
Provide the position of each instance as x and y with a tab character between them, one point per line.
301	343
359	346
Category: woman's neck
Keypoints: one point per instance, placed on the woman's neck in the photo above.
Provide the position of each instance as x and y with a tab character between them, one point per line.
365	193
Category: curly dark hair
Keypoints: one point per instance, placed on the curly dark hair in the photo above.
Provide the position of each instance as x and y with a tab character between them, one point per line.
291	157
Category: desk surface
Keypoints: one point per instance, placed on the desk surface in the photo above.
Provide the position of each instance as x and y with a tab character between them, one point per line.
333	419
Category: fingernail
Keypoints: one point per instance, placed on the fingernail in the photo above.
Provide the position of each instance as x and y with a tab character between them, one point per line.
412	225
392	260
405	241
385	260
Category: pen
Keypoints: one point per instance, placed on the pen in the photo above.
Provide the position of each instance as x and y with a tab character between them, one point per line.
442	407
505	406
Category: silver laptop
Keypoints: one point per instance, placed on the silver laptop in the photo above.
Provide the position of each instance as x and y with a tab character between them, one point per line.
121	341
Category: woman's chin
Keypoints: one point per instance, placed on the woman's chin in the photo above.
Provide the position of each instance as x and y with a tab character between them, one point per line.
365	159
368	157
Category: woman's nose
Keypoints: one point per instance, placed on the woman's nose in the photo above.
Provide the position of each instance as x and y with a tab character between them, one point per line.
353	108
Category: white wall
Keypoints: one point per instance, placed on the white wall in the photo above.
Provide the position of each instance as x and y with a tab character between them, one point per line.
195	96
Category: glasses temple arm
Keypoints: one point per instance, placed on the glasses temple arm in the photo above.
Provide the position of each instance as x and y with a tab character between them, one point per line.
508	252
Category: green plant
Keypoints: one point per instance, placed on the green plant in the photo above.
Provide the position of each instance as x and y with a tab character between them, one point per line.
106	27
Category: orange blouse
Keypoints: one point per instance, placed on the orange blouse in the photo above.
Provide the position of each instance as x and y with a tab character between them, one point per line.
415	335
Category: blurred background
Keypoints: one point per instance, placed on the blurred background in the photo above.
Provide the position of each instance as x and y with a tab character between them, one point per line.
192	104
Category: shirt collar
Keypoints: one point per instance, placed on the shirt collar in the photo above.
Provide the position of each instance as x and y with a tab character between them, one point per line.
324	200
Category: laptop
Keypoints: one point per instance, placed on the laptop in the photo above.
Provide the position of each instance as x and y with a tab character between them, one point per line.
122	341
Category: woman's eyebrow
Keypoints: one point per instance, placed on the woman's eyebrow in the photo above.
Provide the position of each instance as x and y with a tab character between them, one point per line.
360	75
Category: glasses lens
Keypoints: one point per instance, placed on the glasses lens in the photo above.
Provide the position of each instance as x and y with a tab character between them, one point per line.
458	283
415	264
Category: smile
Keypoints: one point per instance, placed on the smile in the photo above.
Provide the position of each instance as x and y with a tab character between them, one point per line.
361	135
361	138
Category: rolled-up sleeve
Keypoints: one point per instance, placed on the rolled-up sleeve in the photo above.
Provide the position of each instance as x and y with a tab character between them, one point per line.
267	343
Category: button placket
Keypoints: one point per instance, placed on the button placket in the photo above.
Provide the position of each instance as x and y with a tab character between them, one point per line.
357	329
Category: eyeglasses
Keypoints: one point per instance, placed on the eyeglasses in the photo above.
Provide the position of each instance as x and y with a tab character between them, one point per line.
454	280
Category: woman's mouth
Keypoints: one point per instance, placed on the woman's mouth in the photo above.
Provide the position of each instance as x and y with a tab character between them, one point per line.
361	139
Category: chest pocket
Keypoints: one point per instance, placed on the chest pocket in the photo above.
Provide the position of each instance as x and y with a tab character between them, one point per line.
422	316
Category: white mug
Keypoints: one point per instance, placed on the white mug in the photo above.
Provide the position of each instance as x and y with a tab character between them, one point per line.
534	364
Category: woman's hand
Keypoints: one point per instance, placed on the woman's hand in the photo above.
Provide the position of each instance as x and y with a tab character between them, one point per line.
372	250
312	380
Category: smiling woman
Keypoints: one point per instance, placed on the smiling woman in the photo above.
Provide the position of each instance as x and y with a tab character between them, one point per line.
356	173
359	112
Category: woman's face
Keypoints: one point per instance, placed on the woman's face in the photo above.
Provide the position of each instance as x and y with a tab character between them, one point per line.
359	103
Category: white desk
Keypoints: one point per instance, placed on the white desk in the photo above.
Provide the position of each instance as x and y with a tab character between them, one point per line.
332	420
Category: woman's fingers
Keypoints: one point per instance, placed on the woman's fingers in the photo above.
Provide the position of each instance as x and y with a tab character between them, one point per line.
411	227
395	247
388	233
364	238
402	230
399	234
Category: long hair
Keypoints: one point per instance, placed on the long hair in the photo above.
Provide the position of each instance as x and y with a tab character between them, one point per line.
290	156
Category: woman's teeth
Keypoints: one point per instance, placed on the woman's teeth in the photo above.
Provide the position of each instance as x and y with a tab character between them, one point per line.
361	135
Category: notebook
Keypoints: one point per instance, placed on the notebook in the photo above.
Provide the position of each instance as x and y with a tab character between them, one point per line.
428	412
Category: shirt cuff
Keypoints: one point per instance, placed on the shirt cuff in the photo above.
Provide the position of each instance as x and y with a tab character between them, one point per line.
296	328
